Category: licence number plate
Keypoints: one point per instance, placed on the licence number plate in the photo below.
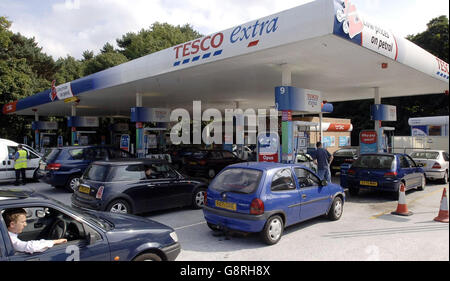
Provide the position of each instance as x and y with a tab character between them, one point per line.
369	183
336	168
226	205
84	189
193	163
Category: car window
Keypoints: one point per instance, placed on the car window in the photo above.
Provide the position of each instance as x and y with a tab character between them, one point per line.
374	162
445	154
282	180
228	155
128	173
96	173
306	178
159	171
52	154
97	153
344	153
32	155
404	162
77	154
12	151
214	155
425	155
237	180
411	162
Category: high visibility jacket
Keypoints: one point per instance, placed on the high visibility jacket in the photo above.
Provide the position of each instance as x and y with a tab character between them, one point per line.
21	162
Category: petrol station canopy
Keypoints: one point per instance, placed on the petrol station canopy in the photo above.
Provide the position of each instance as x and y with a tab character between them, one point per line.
324	45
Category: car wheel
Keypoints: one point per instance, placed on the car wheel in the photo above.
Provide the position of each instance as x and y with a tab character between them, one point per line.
198	198
424	182
336	210
72	183
445	178
211	173
273	230
119	206
148	257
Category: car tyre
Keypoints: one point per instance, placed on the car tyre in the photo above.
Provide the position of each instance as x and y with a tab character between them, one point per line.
336	210
423	184
148	257
119	206
198	198
72	183
445	178
273	230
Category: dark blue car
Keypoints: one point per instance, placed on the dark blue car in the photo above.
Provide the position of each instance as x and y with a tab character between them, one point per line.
267	197
385	172
63	166
92	236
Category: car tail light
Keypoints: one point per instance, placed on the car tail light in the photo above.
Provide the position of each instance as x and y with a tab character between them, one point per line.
202	162
205	198
437	166
349	160
257	207
53	167
99	194
390	175
351	172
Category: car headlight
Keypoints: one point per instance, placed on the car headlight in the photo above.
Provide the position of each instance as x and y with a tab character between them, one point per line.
174	236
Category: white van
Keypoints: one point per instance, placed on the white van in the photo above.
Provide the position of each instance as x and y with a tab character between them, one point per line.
7	151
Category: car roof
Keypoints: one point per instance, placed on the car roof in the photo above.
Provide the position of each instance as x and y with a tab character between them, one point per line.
129	161
263	165
13	195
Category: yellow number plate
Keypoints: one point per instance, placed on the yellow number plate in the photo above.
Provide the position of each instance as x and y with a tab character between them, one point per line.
226	205
84	189
369	183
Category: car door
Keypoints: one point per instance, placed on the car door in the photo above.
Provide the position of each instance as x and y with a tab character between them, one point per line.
9	168
33	163
406	172
4	158
81	249
315	198
285	195
416	175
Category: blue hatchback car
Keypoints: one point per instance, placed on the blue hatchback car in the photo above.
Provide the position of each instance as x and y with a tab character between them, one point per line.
92	236
64	166
267	197
385	172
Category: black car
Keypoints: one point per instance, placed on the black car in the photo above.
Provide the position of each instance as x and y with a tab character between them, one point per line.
343	156
92	236
136	186
208	163
63	166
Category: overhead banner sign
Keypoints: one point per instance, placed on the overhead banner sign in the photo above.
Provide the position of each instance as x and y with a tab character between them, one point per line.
38	125
382	112
143	114
289	98
83	121
61	92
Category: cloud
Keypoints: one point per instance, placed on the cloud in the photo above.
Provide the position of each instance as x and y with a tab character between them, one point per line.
69	27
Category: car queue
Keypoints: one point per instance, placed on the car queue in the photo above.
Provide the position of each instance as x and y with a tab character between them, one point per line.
242	196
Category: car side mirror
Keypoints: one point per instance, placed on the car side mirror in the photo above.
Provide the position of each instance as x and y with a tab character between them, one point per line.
323	183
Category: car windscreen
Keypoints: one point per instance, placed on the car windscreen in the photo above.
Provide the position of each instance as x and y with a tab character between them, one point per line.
52	154
425	155
96	172
374	162
237	180
344	153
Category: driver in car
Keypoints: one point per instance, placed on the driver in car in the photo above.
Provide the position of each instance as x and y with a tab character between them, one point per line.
16	221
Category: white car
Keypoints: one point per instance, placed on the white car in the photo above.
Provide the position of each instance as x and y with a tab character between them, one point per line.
8	149
434	162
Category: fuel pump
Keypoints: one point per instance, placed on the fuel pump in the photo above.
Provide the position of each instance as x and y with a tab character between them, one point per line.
301	139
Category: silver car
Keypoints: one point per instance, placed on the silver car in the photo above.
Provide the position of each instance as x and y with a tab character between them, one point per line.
435	163
306	160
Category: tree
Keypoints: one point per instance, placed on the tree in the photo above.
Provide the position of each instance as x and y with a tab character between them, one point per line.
103	61
158	37
68	69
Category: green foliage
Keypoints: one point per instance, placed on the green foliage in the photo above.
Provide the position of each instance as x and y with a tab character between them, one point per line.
158	37
103	61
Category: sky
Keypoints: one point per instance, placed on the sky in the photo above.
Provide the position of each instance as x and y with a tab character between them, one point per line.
69	27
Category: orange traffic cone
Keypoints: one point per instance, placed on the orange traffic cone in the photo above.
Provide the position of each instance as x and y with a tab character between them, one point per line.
443	211
402	209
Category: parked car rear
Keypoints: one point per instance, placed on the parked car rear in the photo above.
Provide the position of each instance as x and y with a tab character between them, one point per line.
63	166
385	172
208	163
435	163
342	156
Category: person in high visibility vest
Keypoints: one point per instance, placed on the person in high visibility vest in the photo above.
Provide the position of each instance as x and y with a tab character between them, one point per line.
20	164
